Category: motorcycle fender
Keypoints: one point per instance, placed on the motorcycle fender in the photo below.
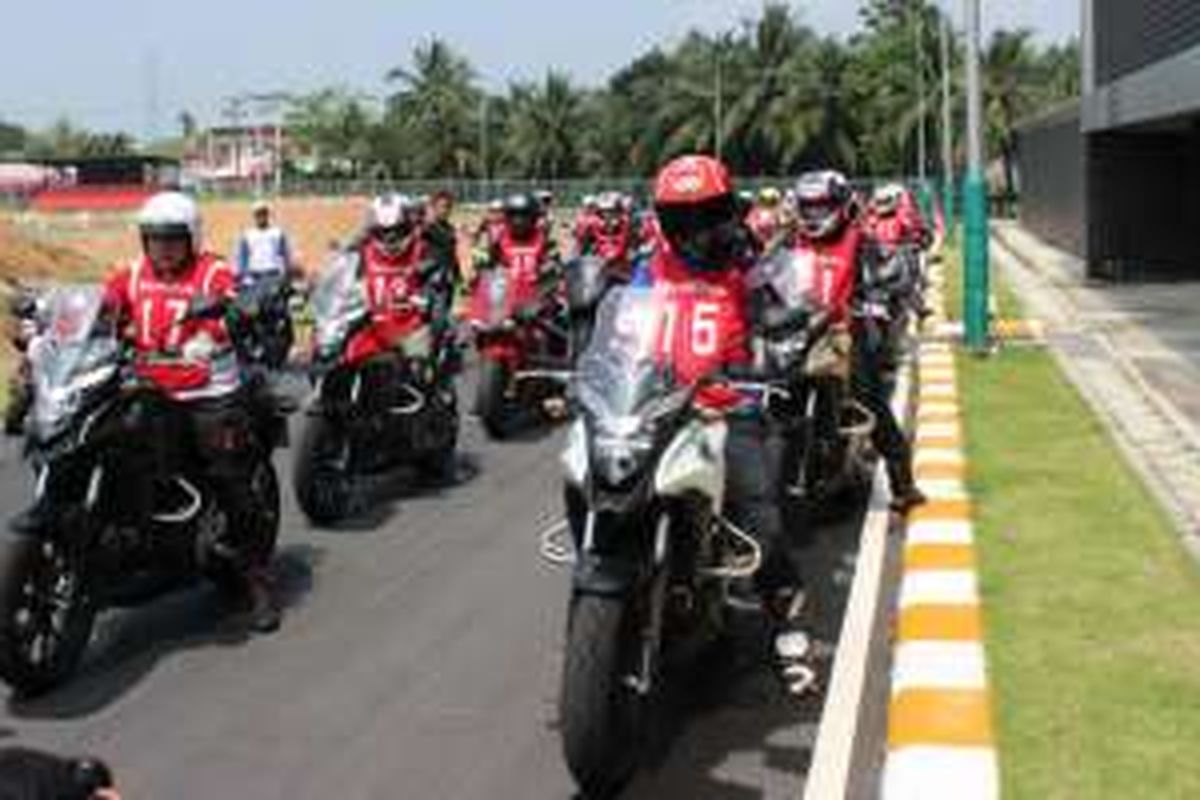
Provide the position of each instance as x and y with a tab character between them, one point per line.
574	457
694	462
607	576
604	567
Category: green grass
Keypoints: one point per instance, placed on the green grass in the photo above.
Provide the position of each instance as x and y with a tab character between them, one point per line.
1005	300
1092	606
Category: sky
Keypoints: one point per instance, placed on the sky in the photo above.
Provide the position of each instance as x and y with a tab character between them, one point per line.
135	64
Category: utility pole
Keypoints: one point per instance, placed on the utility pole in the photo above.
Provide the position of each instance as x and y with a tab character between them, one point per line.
918	9
947	126
718	110
975	294
483	137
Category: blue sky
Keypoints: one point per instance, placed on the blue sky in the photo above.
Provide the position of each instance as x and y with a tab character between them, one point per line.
93	61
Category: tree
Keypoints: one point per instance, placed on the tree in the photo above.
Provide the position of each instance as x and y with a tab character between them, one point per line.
545	125
336	127
1010	74
434	119
13	138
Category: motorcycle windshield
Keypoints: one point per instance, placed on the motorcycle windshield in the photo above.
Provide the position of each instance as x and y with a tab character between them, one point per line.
77	351
338	300
623	369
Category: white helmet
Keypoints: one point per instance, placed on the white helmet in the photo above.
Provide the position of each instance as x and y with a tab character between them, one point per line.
389	211
171	214
887	198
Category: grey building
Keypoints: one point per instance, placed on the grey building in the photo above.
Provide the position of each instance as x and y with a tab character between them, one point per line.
1115	177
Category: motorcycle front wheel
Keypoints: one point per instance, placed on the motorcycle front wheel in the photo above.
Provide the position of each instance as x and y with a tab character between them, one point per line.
490	401
324	491
46	613
599	712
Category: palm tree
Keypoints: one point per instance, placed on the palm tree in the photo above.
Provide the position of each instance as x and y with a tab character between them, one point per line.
545	124
1010	93
436	113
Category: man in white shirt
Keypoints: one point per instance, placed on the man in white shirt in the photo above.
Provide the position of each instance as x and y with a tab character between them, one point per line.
263	250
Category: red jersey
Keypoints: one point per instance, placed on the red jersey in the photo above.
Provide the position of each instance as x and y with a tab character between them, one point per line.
585	224
393	284
705	325
524	260
831	269
763	223
187	359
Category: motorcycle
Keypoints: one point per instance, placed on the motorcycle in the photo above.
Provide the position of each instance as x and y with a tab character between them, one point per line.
107	541
654	558
524	346
272	334
827	434
376	405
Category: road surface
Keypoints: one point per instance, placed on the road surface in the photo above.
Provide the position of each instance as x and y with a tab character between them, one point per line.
419	658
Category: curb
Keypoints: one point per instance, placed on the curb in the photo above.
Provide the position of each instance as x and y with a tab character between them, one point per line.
837	733
941	742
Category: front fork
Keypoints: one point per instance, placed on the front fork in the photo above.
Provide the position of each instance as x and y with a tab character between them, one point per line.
608	566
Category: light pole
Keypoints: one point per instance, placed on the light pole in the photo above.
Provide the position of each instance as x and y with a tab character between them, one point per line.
975	223
947	123
718	109
919	55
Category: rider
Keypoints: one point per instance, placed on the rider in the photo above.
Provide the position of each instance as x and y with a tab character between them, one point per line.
524	245
262	249
193	363
585	221
848	261
895	220
611	236
405	284
763	219
702	249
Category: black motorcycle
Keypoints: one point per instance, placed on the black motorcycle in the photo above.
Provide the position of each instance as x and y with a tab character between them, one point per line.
373	409
271	332
114	536
827	450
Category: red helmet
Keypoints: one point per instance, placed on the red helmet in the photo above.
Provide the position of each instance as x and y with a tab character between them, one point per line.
692	179
698	211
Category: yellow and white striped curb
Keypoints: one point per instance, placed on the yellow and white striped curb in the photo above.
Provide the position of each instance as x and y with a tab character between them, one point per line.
940	737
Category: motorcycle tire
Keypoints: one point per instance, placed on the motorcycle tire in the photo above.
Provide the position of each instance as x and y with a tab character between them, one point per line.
34	657
325	494
598	712
490	401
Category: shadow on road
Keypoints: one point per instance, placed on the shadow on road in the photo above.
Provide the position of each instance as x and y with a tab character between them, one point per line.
129	644
383	495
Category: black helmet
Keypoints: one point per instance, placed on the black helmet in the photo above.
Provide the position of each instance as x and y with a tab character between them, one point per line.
522	211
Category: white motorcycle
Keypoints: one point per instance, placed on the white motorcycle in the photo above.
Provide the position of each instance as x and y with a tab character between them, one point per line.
653	555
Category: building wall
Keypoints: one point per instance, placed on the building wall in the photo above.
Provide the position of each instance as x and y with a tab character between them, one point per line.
1051	162
1133	34
1143	210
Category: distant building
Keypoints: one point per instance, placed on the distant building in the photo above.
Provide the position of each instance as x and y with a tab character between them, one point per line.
1115	178
237	154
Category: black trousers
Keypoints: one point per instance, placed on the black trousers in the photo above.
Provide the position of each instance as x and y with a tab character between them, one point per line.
752	458
869	387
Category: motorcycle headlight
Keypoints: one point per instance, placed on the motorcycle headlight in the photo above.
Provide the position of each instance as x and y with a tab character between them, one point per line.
53	408
620	450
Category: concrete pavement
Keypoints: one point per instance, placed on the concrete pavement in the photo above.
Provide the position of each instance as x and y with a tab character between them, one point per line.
1133	350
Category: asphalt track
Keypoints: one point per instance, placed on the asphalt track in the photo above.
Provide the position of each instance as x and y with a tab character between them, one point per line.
419	658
